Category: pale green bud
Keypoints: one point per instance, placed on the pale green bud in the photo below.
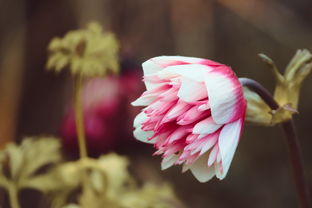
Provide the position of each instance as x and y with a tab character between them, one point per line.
286	93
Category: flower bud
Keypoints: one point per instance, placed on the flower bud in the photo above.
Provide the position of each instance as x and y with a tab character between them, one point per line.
286	93
258	112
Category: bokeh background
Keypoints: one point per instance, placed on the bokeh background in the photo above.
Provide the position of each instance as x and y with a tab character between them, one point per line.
36	102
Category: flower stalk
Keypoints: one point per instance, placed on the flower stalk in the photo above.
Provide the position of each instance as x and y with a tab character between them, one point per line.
13	196
297	163
89	52
295	152
79	117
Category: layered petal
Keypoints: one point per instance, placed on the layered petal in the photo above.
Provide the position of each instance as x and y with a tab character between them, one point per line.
225	96
228	141
154	65
191	91
167	162
139	119
143	136
206	126
195	72
201	171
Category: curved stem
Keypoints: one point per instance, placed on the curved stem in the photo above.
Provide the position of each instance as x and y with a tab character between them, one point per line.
79	118
297	163
261	91
292	140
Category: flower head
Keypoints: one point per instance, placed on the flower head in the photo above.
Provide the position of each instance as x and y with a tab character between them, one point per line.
87	52
194	115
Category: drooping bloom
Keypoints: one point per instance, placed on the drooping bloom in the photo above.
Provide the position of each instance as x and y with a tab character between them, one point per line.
194	114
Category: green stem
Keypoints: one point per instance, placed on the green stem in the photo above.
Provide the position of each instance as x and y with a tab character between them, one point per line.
79	118
13	197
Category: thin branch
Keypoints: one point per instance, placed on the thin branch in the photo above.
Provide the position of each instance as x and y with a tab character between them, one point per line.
292	140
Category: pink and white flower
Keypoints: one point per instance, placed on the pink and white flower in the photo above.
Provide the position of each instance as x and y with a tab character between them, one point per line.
194	114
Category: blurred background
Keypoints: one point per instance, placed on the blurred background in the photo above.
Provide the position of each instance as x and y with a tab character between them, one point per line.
36	102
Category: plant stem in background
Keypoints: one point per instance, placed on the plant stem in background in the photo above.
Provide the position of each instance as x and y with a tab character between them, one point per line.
13	196
79	117
292	140
295	154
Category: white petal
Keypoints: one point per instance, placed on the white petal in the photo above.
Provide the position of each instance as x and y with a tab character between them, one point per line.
143	136
139	119
204	107
228	140
167	162
191	91
165	61
200	169
208	144
219	170
156	64
151	67
143	100
185	167
206	126
196	72
225	96
213	155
